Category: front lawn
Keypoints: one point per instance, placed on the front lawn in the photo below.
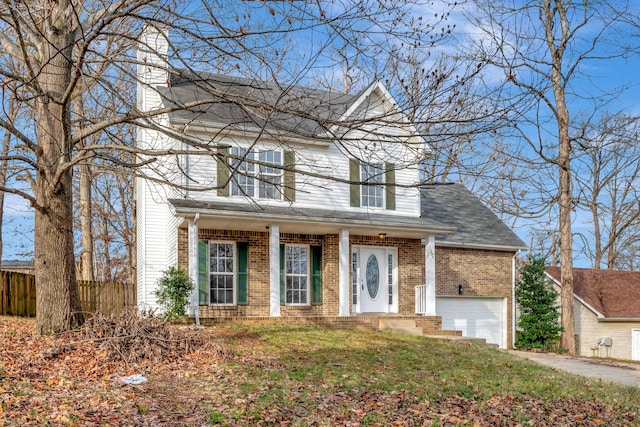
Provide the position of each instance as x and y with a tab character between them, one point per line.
283	375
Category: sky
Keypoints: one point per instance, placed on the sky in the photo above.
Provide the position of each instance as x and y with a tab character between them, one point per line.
17	229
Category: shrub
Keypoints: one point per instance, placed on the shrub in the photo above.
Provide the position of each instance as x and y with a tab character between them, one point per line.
174	289
538	304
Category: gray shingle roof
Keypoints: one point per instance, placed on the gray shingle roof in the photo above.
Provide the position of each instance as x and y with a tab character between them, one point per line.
476	225
243	104
310	214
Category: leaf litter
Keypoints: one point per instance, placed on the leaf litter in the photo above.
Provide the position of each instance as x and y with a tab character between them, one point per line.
201	377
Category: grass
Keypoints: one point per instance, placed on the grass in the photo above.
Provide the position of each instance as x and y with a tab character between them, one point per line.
281	366
300	376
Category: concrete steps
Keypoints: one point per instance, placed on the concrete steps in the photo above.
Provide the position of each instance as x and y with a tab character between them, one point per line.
400	326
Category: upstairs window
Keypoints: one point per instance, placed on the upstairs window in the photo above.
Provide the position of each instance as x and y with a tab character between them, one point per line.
372	194
372	185
253	179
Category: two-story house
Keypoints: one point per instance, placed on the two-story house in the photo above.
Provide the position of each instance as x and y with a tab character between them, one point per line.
293	201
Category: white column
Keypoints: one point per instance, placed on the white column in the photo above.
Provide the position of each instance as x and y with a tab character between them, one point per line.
430	274
193	267
343	283
274	268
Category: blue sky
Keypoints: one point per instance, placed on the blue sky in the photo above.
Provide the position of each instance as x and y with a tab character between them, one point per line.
17	229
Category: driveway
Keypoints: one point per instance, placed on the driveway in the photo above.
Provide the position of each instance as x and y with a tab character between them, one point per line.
607	370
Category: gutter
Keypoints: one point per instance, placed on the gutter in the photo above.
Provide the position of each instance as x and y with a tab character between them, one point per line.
503	248
619	319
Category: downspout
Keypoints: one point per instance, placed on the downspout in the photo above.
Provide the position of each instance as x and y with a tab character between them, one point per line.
513	298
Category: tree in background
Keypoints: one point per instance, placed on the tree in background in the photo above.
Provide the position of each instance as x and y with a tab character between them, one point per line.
540	53
538	304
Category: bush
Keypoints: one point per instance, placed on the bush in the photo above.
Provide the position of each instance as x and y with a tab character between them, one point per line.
174	290
538	304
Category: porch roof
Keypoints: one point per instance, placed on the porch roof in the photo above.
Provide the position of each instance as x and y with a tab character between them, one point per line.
254	217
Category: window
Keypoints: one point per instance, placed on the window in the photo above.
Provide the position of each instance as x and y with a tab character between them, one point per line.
296	275
372	195
380	188
256	180
221	272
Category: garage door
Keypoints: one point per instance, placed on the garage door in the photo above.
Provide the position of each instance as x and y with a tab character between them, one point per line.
475	317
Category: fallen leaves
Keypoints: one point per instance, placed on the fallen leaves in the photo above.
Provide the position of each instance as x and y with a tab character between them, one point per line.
70	380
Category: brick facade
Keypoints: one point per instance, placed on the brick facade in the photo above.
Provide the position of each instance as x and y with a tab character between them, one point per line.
479	272
410	271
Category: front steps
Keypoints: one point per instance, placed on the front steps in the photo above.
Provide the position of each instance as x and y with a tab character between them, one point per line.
410	327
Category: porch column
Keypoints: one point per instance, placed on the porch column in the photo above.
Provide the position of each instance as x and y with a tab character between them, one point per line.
343	271
430	274
274	270
192	249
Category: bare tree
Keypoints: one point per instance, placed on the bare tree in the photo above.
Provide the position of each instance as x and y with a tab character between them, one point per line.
65	50
538	50
607	176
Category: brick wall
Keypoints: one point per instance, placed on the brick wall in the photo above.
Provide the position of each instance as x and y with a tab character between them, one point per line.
480	272
410	271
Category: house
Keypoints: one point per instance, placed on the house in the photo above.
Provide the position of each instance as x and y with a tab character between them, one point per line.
606	305
302	203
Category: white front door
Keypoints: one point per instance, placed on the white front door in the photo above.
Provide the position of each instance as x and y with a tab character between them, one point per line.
374	272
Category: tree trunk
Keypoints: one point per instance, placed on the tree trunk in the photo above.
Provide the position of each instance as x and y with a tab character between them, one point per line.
551	13
57	299
86	211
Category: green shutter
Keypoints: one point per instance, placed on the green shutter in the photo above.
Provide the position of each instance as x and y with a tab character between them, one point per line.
316	275
289	176
354	177
223	171
283	299
203	272
390	185
243	273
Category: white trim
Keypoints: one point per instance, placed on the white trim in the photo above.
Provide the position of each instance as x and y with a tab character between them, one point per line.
274	270
464	245
193	268
344	286
234	244
635	350
308	275
385	251
430	274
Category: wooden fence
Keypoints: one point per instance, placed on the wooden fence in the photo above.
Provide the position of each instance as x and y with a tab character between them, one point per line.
18	295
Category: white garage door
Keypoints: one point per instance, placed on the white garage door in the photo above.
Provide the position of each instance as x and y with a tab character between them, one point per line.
475	317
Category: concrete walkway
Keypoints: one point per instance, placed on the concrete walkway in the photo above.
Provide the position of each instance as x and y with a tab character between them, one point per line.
605	369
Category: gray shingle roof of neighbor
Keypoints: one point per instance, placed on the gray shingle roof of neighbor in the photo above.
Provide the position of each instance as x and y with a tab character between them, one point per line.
239	103
476	225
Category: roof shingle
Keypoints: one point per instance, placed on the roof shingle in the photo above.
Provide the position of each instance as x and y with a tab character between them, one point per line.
615	294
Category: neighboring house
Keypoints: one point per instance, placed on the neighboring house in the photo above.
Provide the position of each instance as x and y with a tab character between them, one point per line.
18	266
606	305
314	225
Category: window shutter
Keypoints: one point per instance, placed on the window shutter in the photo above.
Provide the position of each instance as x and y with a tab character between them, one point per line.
243	273
316	275
203	272
289	176
223	171
283	299
390	185
354	177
